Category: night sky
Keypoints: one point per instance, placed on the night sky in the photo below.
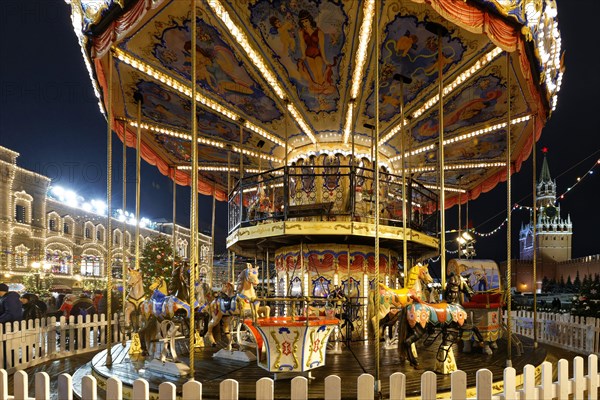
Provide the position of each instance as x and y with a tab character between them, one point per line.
49	114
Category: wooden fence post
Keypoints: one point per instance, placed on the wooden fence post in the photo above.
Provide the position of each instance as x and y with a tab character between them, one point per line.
114	389
141	389
89	388
592	377
21	385
546	391
484	380
510	383
192	390
265	389
299	388
562	391
333	388
428	386
458	385
42	386
65	387
578	379
397	386
228	389
3	379
366	387
167	391
529	389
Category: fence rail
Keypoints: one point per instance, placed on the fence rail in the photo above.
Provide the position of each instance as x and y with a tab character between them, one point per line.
578	386
579	334
28	343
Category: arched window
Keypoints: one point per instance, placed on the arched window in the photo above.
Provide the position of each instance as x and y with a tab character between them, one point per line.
21	256
88	231
100	233
22	202
117	237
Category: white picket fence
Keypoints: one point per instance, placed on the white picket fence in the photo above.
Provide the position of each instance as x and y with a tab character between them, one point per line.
578	386
28	343
578	334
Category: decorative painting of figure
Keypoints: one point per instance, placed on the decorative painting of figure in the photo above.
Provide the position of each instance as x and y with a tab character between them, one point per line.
475	104
217	68
313	66
283	30
307	39
410	49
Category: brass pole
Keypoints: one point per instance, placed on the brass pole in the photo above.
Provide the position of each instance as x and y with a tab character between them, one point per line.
404	197
442	162
124	254
508	216
194	195
534	223
229	200
376	172
459	220
173	238
212	235
108	238
241	155
268	275
138	167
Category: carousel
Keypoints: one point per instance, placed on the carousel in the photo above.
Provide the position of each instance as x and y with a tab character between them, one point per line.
338	132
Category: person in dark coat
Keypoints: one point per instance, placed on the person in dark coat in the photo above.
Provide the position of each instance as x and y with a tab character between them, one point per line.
31	308
10	305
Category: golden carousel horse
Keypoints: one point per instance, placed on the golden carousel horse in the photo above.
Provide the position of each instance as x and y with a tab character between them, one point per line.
242	304
388	301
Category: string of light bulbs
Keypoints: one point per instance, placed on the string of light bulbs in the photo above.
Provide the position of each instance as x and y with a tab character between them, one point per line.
579	180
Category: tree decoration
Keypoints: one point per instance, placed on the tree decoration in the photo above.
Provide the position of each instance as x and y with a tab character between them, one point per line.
157	260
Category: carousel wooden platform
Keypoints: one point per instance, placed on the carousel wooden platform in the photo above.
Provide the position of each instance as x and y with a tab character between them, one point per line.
355	360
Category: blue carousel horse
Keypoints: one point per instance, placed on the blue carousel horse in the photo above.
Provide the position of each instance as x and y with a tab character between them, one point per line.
446	319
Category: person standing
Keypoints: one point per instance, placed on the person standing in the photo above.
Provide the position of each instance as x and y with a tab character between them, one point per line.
10	305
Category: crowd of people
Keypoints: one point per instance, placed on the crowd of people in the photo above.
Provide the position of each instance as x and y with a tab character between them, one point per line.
28	306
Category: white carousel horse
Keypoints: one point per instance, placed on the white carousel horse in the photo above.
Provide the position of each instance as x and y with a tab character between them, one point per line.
243	303
389	301
135	294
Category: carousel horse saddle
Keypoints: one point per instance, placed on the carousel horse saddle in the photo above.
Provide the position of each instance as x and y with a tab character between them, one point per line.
227	304
440	310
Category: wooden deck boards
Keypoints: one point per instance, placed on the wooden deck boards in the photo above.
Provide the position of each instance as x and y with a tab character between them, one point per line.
353	361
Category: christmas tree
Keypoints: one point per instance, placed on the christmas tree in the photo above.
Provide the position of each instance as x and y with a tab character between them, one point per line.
157	261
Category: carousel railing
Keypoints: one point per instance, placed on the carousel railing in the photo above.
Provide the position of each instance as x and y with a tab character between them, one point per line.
344	193
577	385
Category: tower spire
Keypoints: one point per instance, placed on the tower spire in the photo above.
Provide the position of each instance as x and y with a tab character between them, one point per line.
545	174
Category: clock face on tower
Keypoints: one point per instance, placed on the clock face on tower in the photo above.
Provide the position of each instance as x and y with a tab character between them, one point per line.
550	212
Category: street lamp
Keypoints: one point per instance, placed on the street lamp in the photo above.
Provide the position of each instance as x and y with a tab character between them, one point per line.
466	243
40	273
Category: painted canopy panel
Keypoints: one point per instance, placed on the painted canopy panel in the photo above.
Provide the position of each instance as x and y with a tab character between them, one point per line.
410	50
307	39
253	56
166	42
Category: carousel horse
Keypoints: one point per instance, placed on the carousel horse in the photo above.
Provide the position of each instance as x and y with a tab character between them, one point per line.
135	297
388	301
180	288
446	318
162	307
242	304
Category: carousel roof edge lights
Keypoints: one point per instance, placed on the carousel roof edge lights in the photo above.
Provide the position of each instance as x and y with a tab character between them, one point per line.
259	77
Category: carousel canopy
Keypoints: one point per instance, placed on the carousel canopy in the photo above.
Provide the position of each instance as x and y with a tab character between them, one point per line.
301	73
